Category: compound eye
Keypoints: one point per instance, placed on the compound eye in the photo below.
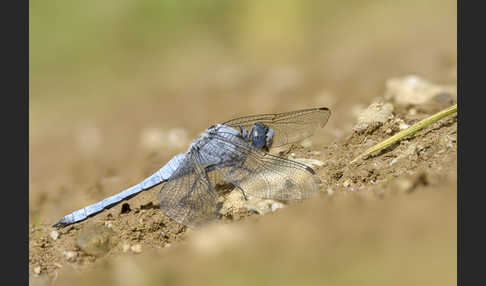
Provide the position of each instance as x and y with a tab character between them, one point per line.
258	135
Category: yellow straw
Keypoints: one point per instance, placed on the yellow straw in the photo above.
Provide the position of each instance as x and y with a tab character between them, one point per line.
410	130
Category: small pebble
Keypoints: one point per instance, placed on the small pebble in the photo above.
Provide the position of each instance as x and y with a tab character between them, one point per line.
167	245
330	191
126	247
347	183
70	255
413	90
54	235
403	126
377	112
96	240
137	248
446	141
37	270
275	206
264	206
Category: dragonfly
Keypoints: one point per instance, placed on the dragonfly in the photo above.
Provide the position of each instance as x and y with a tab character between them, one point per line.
235	152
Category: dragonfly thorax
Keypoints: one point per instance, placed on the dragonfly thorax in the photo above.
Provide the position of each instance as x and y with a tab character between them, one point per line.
206	137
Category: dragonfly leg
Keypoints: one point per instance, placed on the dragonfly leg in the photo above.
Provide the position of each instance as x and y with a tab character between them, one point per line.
242	191
229	176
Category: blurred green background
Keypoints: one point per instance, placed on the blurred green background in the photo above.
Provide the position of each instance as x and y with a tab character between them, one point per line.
87	57
75	42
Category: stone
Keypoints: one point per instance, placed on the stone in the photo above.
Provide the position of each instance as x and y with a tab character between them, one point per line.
137	248
413	90
96	240
70	256
377	112
54	235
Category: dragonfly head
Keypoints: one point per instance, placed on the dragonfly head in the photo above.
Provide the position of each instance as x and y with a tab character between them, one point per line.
261	136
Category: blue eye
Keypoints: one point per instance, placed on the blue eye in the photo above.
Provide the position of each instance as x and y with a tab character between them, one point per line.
258	135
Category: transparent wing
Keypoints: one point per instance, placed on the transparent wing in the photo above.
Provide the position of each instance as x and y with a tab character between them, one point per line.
266	176
188	197
289	127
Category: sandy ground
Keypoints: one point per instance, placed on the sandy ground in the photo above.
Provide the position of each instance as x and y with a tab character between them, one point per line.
394	213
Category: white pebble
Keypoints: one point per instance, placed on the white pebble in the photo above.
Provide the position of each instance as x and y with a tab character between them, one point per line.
403	126
37	270
415	90
70	255
263	206
125	247
54	235
275	206
347	183
137	248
